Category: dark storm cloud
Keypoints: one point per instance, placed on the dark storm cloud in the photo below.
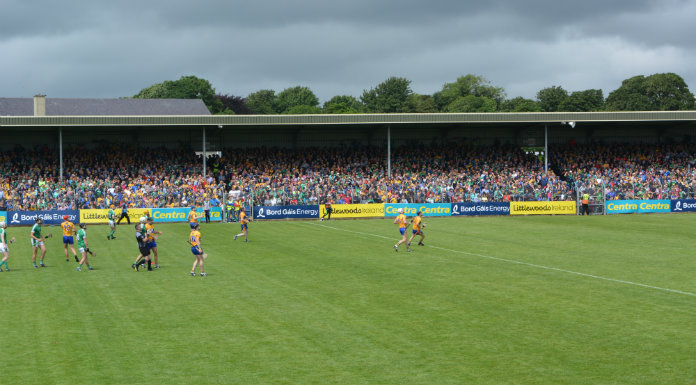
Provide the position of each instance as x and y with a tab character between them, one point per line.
114	49
21	18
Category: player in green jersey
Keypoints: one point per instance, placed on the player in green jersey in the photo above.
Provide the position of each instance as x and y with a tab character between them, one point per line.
83	246
37	242
111	215
4	249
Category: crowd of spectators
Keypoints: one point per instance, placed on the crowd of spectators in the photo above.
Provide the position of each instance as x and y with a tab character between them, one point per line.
631	171
98	178
450	173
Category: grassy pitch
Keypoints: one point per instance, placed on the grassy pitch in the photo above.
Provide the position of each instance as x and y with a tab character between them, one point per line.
502	300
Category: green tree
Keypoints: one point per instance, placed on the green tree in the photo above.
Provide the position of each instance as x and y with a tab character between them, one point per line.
155	91
468	85
295	96
471	103
520	104
303	110
187	87
550	98
262	102
658	92
388	97
583	101
421	104
343	104
233	104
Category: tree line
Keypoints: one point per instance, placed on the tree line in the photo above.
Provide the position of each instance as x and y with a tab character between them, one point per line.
469	93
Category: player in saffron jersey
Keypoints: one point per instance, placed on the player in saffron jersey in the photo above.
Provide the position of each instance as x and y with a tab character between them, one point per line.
152	236
401	221
195	241
192	218
244	222
417	225
68	231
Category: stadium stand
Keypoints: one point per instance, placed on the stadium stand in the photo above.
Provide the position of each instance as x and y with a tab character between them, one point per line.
95	178
157	166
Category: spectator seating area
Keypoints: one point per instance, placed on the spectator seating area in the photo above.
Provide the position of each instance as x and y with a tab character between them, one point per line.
97	178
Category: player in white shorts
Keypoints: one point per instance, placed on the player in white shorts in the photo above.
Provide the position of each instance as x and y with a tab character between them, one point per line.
37	242
84	247
4	249
111	216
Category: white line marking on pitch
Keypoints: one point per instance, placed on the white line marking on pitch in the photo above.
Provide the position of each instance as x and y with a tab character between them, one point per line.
525	263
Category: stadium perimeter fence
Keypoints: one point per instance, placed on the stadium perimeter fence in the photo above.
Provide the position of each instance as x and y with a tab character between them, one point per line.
361	210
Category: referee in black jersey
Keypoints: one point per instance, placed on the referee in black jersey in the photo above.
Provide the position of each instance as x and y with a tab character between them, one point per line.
124	213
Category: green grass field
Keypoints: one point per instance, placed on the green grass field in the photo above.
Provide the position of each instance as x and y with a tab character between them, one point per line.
501	300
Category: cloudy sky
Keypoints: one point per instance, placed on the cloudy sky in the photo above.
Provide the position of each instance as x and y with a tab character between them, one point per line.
105	49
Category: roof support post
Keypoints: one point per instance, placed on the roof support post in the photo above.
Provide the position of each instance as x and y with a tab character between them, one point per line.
389	151
60	151
546	149
204	153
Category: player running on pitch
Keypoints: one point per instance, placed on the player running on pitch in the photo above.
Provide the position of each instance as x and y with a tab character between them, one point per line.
144	255
192	218
195	241
37	242
401	221
4	248
68	231
417	225
83	246
244	222
111	216
152	236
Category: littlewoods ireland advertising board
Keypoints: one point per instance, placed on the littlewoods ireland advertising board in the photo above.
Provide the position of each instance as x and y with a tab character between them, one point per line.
543	208
355	210
99	215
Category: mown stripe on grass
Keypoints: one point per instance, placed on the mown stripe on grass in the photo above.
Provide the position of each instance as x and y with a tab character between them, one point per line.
550	268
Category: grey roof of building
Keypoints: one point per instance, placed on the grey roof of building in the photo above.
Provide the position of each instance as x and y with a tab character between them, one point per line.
104	107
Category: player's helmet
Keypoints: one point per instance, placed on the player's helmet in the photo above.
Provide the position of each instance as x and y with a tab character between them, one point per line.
3	224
